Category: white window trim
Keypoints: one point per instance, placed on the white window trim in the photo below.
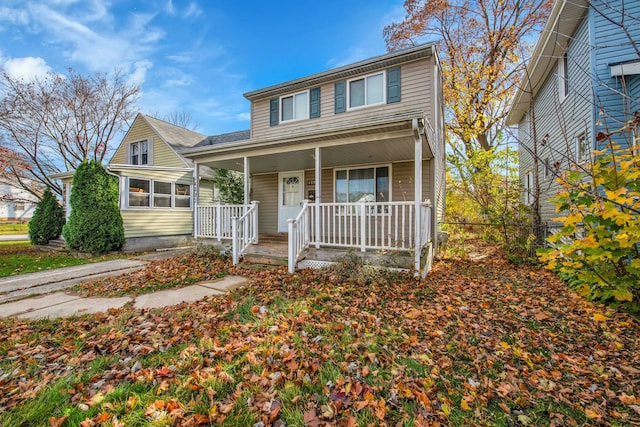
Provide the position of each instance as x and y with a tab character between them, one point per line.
387	165
563	82
293	96
581	136
151	195
149	142
384	91
528	187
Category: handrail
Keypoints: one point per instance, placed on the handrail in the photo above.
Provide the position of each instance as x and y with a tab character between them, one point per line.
214	221
299	232
244	230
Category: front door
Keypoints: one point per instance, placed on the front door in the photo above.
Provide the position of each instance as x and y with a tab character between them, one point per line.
290	194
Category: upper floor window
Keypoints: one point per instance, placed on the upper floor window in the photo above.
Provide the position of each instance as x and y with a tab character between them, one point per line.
139	153
563	77
367	90
294	107
581	148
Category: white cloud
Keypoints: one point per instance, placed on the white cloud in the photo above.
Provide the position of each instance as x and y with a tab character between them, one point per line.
193	11
14	16
184	80
244	116
169	8
26	68
139	74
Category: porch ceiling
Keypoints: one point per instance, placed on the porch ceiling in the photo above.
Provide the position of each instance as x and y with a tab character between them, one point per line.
390	150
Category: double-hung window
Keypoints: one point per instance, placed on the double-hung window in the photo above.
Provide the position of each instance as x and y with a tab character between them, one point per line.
139	153
149	193
368	90
294	107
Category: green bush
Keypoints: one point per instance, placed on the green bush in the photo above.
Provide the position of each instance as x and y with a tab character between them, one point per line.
47	220
597	249
95	224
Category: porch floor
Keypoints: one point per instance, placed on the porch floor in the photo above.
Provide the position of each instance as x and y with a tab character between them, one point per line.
272	249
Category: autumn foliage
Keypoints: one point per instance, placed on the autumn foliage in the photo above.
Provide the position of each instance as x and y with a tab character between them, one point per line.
598	247
480	342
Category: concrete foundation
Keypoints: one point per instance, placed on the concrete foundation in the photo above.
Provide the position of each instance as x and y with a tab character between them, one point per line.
141	244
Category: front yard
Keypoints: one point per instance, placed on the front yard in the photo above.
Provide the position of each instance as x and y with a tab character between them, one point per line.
479	342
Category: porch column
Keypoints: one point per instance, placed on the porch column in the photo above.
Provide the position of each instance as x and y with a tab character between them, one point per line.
196	199
318	195
417	194
246	182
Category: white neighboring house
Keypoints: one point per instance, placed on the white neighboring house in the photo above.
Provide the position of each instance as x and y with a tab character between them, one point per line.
16	203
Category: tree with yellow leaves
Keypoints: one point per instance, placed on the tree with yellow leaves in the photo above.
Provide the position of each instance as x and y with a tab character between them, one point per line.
481	45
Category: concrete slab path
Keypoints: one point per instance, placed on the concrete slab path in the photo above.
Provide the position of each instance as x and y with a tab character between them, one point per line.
62	304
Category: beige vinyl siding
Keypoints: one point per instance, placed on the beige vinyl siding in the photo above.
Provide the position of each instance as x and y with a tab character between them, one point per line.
264	188
156	222
416	91
161	153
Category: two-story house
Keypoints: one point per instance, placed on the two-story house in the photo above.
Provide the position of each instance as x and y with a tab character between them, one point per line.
582	84
351	157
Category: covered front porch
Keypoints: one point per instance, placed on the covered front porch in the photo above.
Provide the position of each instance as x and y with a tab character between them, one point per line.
365	188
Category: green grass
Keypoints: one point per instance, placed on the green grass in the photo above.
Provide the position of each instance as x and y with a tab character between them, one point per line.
14	228
21	257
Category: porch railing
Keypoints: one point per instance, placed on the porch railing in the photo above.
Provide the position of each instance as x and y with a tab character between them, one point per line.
365	225
244	230
425	226
214	221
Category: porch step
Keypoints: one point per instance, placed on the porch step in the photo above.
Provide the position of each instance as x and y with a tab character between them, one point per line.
273	238
272	253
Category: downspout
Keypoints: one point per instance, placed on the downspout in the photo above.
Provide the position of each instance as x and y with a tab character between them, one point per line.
121	193
417	194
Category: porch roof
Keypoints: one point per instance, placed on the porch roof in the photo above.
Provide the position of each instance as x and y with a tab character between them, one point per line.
373	140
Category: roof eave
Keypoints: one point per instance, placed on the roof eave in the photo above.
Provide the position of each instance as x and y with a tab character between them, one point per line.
564	19
393	58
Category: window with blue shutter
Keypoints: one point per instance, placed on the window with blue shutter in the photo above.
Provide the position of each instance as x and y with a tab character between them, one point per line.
340	97
393	85
314	103
273	111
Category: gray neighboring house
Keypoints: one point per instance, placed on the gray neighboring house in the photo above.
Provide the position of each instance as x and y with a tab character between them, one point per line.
583	80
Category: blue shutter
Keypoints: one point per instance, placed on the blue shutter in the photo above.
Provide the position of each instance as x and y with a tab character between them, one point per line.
314	103
340	97
393	85
273	111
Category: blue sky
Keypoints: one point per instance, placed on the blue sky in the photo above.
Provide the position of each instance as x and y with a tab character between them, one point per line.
197	57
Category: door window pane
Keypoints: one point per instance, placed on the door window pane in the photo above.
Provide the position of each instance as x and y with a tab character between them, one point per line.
291	191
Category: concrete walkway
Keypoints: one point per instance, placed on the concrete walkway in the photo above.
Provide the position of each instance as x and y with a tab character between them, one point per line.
62	304
41	294
13	237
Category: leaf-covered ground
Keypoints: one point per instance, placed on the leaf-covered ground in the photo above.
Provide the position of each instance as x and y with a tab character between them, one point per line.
478	342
